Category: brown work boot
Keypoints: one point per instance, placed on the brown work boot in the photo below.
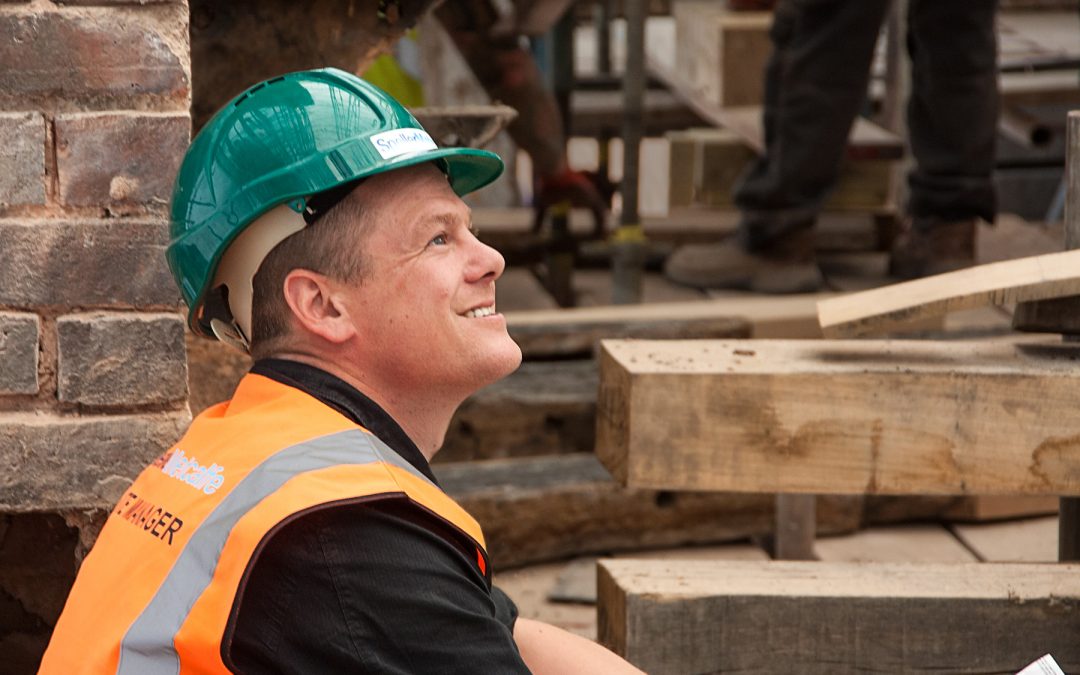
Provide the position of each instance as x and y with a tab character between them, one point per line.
928	247
787	266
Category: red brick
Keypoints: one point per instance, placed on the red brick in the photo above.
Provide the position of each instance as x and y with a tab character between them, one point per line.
51	462
102	263
121	359
19	339
119	158
22	156
100	59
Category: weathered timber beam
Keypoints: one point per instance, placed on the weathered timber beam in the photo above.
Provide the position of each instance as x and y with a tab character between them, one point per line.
876	311
546	508
543	408
848	417
815	617
577	331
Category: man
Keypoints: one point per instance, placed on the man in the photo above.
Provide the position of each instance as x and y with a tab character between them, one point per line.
298	528
815	84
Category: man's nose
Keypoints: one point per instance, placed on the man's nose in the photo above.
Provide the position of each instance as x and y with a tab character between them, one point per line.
486	261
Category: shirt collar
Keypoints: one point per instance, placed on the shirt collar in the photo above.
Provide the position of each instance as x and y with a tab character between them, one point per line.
347	400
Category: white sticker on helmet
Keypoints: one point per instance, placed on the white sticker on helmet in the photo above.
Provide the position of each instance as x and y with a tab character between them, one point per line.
402	141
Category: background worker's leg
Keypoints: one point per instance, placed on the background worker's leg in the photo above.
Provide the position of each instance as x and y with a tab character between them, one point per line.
953	111
952	122
815	84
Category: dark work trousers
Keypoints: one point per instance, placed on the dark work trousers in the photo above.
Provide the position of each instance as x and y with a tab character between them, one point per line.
815	84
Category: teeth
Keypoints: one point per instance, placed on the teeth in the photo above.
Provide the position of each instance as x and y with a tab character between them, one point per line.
480	312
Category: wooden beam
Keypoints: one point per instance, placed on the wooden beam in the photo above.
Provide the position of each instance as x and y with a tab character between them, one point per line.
548	508
881	309
852	417
814	617
563	332
543	408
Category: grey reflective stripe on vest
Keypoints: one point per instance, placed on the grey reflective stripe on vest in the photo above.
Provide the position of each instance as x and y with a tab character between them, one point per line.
147	648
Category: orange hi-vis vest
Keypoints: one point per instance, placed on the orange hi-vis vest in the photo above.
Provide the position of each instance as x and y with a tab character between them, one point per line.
158	590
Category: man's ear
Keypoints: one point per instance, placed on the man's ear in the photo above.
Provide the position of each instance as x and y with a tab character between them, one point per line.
316	307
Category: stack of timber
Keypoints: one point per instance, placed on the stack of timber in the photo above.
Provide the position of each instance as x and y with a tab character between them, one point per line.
867	417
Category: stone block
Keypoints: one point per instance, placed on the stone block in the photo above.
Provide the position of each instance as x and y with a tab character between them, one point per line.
22	154
94	59
19	336
52	462
119	158
123	359
86	263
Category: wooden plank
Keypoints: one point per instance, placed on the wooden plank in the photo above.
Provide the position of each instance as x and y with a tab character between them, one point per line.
905	543
850	417
813	617
567	331
1029	540
543	408
595	288
577	331
538	509
870	312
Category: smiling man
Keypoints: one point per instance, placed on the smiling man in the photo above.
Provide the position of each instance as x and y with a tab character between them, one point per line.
298	528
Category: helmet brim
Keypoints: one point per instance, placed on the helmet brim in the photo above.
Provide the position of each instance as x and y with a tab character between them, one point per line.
468	169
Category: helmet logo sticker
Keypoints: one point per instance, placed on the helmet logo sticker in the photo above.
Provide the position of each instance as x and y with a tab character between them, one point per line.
402	141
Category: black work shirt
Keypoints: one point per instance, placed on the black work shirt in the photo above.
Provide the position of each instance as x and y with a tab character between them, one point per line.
377	587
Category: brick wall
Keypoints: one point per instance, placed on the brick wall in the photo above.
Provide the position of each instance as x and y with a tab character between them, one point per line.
94	116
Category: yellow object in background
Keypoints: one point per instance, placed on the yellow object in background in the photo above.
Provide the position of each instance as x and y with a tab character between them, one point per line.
398	72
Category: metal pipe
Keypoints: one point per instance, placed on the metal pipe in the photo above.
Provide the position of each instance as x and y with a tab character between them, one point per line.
1024	128
1069	507
629	250
602	16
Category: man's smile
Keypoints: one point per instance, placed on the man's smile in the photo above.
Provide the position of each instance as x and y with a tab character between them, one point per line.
478	312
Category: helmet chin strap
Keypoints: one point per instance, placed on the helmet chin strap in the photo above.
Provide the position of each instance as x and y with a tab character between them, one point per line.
241	261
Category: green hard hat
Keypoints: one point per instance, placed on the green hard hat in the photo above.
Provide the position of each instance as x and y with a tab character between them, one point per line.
284	141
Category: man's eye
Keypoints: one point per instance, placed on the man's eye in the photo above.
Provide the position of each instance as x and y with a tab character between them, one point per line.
439	240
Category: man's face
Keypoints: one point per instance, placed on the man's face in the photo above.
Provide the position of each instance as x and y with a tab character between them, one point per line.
425	308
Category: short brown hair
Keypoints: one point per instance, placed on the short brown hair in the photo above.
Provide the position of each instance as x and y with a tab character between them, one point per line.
329	246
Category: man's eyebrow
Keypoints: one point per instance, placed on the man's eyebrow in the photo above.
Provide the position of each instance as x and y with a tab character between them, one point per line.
448	219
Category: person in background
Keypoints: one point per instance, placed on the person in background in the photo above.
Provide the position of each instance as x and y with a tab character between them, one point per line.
815	84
